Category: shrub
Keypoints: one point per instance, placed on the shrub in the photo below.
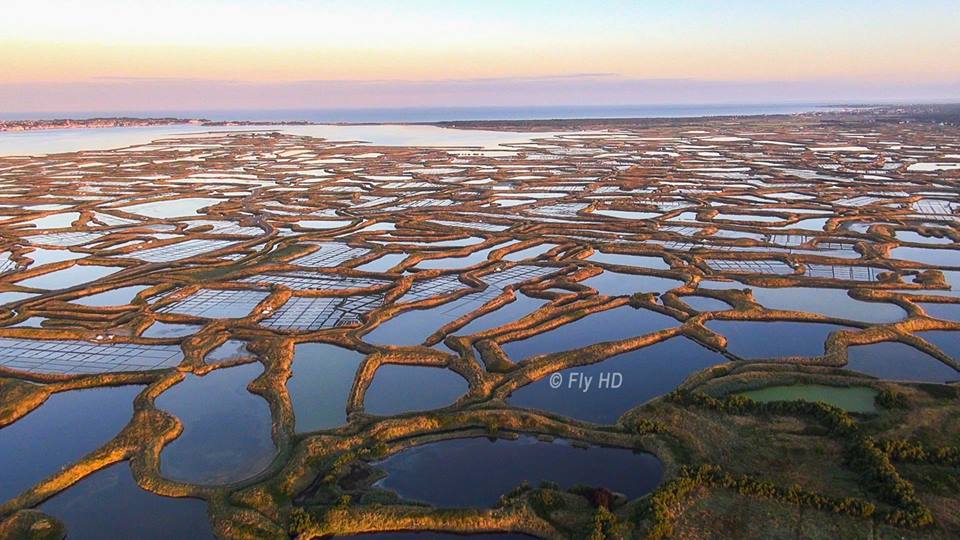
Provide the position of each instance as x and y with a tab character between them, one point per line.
888	399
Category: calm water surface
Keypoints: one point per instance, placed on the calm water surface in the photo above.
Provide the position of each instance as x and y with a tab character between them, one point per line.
610	325
109	504
320	386
646	373
899	362
755	339
398	389
436	473
224	439
65	428
858	399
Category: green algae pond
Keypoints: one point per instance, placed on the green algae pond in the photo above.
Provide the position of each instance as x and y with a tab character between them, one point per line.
855	399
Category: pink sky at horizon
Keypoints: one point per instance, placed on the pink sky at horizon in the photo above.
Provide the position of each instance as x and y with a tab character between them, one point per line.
102	55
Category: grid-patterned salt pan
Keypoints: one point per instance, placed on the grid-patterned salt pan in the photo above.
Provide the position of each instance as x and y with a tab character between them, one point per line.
73	356
752	267
306	281
313	313
63	239
217	304
179	251
429	288
330	255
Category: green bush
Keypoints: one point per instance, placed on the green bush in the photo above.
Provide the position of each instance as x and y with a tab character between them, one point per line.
645	426
914	452
871	462
888	399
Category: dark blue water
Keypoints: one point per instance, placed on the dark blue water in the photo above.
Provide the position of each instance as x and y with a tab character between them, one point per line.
64	429
398	389
899	362
436	473
756	339
830	302
226	429
617	284
415	326
320	386
109	504
947	312
436	114
646	373
610	325
514	311
948	341
704	303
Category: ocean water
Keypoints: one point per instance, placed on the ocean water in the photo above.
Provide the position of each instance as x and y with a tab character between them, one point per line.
443	114
71	140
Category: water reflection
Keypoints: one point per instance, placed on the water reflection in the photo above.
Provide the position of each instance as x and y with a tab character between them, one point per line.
898	362
109	504
65	428
224	439
436	473
761	339
610	325
320	386
643	375
398	389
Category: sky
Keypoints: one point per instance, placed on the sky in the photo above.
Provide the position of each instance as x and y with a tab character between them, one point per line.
105	55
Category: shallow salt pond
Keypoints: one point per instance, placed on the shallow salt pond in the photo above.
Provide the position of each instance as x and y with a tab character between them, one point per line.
948	341
931	256
947	312
639	261
62	430
704	303
898	362
55	221
465	261
810	224
857	399
41	256
413	327
12	296
529	253
617	284
459	242
319	224
320	385
224	439
110	504
69	277
230	349
748	217
646	373
190	206
384	263
398	389
113	297
610	325
760	339
519	308
435	473
627	214
912	236
169	330
831	302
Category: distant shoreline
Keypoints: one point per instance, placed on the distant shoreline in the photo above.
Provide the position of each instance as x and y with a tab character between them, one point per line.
946	113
